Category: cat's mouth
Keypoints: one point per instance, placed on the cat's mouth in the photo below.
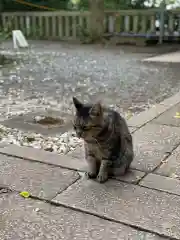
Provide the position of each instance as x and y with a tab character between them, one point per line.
83	136
79	136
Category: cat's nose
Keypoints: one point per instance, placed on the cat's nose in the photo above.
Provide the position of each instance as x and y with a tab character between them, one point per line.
79	133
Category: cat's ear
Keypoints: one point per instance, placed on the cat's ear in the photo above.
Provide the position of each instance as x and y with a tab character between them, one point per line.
77	103
96	110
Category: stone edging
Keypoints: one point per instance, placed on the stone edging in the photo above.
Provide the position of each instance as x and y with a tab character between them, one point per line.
144	117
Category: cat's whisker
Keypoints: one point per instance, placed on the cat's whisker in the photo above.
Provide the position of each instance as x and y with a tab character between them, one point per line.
97	142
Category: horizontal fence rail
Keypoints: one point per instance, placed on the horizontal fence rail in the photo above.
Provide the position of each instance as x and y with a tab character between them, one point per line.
141	21
67	25
48	25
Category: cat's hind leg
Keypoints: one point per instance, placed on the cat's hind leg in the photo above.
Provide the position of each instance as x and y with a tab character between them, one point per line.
122	164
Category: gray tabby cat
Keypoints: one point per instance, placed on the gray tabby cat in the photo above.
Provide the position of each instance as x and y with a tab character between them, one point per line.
108	142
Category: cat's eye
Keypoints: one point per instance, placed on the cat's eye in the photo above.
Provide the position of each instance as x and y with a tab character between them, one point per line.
85	128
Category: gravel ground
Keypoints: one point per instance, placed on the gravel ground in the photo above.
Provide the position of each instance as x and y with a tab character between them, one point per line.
48	74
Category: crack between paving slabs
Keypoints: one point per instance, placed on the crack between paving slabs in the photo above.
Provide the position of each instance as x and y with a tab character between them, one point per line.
10	190
138	228
5	189
160	190
63	167
142	186
119	180
86	212
57	165
165	124
168	154
75	170
154	118
134	183
136	128
66	188
38	161
166	110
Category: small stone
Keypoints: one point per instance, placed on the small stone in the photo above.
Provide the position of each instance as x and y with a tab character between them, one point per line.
38	146
38	118
173	175
37	210
25	144
55	148
63	149
49	149
30	139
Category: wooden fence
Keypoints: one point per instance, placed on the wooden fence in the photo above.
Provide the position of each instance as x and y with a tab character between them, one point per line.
66	25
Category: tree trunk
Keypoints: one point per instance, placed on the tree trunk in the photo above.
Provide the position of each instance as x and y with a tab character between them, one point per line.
96	19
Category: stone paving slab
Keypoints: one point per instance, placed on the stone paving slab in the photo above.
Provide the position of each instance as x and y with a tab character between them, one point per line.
2	145
152	143
171	101
148	115
45	157
39	179
168	118
161	183
171	167
131	204
27	219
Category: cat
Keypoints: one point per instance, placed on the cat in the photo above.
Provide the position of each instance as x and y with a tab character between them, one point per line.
107	140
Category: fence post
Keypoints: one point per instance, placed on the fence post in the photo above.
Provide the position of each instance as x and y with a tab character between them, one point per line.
27	24
162	18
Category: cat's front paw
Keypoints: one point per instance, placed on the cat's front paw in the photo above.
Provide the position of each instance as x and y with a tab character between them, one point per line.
90	175
101	178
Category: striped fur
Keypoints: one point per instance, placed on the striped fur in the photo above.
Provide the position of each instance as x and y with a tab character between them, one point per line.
108	142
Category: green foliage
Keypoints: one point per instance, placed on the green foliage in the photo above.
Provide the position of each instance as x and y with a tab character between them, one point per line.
3	36
119	4
84	35
6	31
12	5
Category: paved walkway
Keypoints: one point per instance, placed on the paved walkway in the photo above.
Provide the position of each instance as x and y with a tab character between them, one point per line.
144	204
173	57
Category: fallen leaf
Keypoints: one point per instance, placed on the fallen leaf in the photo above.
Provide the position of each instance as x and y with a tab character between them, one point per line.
177	115
25	194
129	115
